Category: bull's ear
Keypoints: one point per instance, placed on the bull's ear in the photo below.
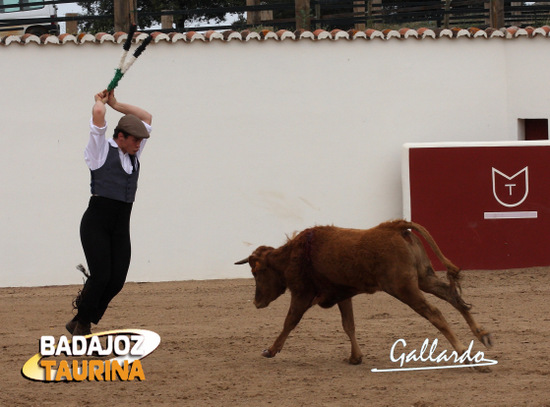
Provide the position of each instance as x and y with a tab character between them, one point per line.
243	261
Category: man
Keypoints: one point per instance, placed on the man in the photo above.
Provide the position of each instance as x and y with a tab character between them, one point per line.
105	227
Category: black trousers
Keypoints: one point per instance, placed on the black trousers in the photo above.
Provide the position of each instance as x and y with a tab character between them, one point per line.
105	236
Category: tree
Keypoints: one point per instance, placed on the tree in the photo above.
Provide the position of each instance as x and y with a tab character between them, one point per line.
149	12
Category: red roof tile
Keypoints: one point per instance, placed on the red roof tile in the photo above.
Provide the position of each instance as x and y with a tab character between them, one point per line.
284	35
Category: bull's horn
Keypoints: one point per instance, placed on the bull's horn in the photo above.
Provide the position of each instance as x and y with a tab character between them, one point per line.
243	261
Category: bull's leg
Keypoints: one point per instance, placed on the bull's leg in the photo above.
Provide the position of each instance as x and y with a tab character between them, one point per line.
433	285
298	306
416	300
346	310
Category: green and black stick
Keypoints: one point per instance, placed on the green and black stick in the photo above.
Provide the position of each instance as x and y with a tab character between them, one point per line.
126	62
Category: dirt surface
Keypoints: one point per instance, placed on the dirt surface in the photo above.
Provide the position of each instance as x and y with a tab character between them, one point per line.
212	338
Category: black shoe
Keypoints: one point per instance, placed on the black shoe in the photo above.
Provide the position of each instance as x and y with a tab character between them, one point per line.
82	328
71	325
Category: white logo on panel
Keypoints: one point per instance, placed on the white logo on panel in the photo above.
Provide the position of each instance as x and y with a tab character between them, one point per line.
511	191
510	188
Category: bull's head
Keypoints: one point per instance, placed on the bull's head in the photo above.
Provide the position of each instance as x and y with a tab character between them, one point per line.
270	283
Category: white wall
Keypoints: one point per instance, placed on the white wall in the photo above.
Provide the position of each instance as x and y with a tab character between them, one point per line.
251	140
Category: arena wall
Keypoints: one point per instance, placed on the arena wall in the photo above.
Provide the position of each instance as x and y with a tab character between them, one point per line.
251	140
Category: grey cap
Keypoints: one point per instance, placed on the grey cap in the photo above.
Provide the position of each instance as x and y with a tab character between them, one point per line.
133	126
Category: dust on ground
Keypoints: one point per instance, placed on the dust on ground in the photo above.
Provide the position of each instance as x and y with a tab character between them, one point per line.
212	339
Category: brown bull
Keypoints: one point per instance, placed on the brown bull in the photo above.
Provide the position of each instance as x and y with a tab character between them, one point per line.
326	265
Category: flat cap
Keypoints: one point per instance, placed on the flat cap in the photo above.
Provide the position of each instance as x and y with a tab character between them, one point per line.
133	126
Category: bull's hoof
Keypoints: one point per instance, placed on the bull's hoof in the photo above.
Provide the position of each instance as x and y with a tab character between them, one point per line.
487	340
355	360
266	353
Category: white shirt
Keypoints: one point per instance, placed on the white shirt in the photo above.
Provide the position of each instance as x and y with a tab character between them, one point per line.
97	149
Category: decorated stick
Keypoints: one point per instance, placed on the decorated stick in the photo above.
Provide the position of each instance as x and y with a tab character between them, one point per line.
137	53
127	44
126	62
125	49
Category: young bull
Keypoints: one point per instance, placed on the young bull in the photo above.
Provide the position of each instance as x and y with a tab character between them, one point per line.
326	265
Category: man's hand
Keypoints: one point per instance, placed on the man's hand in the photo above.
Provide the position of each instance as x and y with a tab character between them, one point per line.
102	96
111	99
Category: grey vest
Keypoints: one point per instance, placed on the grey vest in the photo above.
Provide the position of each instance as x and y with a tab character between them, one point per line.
111	181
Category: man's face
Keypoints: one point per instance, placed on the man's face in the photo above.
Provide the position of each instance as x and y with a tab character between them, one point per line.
128	144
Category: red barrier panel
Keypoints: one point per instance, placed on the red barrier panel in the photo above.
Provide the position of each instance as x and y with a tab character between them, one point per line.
486	205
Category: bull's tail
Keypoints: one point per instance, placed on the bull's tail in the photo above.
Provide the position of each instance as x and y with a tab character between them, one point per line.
453	272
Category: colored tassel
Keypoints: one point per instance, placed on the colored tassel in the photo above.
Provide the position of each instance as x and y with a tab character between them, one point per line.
114	82
126	62
130	61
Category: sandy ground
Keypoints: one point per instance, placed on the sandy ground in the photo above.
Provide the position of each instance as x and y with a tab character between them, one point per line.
212	338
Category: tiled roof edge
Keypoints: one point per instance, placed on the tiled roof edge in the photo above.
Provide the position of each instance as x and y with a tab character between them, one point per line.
283	35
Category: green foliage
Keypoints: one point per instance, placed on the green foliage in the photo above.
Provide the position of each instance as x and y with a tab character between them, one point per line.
145	7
